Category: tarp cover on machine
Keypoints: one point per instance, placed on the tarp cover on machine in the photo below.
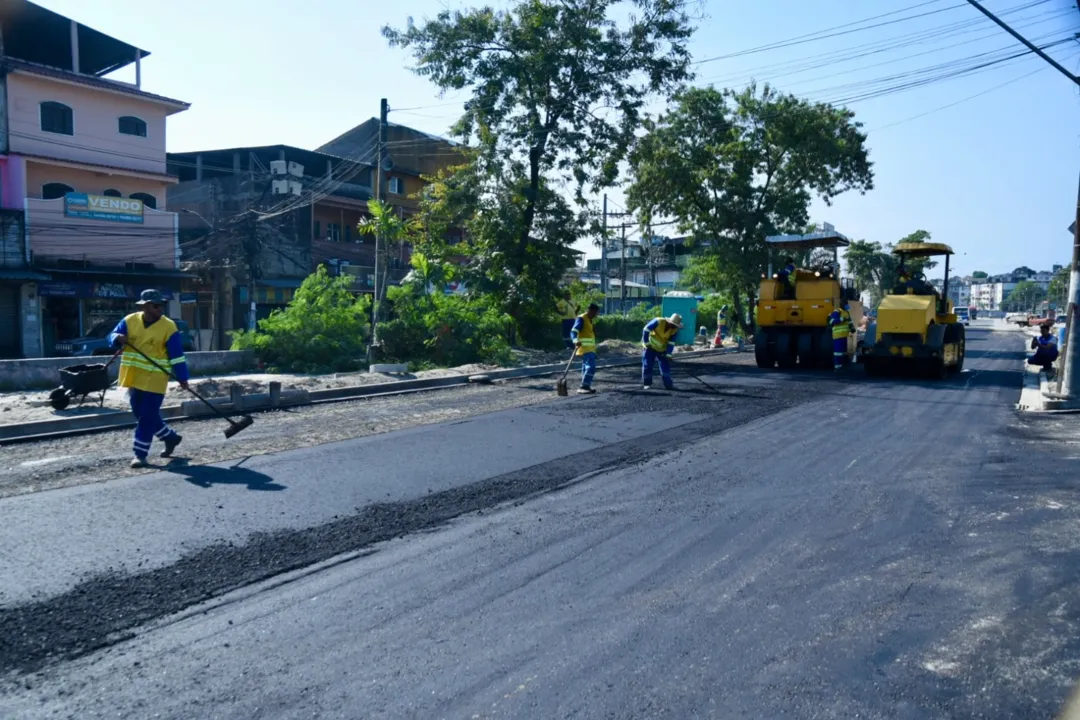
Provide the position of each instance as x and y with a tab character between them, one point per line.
828	239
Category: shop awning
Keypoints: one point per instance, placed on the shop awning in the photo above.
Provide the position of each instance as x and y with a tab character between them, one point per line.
22	275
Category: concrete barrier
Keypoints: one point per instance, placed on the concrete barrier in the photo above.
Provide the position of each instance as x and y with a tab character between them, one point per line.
36	373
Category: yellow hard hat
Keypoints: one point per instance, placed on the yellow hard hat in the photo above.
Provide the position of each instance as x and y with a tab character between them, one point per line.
676	320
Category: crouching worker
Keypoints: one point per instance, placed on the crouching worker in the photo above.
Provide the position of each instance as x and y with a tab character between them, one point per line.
1045	347
657	343
149	331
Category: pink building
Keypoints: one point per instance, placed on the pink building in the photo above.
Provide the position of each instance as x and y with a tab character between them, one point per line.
84	224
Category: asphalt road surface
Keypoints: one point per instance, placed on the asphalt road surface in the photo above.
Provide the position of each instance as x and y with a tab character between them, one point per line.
796	546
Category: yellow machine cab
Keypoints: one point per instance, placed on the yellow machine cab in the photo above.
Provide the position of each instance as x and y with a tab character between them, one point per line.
796	297
916	326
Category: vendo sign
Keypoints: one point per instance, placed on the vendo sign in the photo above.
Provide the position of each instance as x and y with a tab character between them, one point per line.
103	207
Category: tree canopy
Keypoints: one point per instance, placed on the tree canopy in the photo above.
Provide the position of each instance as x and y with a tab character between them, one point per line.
875	267
557	91
732	167
1025	297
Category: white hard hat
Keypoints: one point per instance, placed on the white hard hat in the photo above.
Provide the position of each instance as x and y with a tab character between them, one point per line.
676	320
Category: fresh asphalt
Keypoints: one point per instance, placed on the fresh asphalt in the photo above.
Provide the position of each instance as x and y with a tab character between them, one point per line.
798	546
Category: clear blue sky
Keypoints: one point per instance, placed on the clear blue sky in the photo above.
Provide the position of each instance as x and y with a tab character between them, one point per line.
994	176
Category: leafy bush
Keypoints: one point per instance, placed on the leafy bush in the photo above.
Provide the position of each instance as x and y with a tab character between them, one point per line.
644	313
446	330
706	316
616	327
323	329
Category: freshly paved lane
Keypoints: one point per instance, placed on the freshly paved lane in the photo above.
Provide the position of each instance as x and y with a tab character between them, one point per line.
843	548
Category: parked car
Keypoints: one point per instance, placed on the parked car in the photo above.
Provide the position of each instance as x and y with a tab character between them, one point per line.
96	342
1020	319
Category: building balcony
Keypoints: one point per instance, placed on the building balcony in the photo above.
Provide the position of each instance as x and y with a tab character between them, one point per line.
98	230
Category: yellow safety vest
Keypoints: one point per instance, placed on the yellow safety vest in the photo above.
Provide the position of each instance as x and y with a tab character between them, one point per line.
586	336
661	335
135	371
567	311
842	329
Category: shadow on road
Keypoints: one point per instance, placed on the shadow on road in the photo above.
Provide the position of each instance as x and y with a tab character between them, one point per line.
206	476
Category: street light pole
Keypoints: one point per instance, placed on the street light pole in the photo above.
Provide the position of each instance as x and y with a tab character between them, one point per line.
1072	349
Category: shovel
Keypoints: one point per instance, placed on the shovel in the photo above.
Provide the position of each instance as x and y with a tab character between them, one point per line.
560	388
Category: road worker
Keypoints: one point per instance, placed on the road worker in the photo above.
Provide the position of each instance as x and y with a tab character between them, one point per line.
568	311
842	328
159	339
788	278
657	341
583	336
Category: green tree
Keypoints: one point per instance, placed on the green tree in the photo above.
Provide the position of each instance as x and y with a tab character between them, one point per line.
1058	291
323	328
391	229
979	275
557	91
733	167
1025	297
872	267
915	265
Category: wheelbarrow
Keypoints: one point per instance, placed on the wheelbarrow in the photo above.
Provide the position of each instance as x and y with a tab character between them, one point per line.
81	381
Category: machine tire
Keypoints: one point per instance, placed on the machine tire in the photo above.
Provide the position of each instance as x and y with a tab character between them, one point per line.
763	354
785	350
804	345
957	334
873	367
823	349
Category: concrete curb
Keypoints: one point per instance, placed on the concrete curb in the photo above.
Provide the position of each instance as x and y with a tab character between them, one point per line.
70	427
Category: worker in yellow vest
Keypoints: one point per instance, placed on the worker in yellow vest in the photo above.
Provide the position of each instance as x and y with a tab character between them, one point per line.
842	328
568	311
158	338
657	343
584	338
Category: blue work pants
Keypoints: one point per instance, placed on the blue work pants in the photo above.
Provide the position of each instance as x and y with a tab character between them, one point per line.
648	358
588	369
146	407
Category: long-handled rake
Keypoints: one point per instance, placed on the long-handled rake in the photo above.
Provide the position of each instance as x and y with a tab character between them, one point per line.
235	426
560	388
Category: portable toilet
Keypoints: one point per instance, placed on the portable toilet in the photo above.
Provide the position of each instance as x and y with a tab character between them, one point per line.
686	304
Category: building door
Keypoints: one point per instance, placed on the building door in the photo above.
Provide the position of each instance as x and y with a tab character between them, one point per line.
10	346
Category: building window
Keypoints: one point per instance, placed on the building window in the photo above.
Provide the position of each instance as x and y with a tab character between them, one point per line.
112	193
57	118
318	227
396	186
130	125
55	191
333	232
147	200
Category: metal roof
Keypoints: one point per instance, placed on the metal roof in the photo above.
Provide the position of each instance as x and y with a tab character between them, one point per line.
829	239
922	249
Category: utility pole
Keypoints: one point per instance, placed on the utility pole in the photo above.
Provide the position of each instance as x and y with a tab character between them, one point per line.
380	183
622	273
603	259
1069	379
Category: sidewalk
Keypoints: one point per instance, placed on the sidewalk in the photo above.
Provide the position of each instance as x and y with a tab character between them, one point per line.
21	407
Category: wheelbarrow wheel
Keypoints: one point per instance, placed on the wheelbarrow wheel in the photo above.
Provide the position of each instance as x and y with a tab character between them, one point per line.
59	399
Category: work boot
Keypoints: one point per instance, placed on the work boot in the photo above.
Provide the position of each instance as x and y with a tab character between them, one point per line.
586	391
647	386
669	386
170	445
138	462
